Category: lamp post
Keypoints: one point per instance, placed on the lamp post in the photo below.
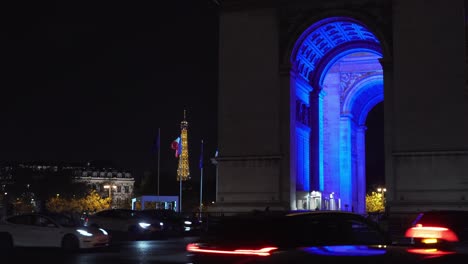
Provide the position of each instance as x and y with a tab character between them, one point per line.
110	192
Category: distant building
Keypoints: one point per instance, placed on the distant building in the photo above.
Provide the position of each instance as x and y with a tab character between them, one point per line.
107	181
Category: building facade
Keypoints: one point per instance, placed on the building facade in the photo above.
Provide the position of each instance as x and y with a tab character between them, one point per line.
297	80
118	185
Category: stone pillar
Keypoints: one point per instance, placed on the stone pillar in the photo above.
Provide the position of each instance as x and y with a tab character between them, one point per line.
250	161
389	133
360	187
345	177
288	80
315	142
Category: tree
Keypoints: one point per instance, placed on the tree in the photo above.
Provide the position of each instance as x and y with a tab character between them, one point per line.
23	205
375	202
57	204
90	203
94	202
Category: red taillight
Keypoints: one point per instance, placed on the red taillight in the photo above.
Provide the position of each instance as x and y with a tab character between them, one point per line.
431	232
264	251
429	251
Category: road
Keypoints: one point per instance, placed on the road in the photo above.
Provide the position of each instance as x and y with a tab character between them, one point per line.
141	252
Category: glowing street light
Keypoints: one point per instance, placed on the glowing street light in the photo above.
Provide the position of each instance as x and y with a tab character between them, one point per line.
382	192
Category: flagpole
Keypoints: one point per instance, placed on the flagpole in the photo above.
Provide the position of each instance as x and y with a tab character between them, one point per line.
201	179
159	154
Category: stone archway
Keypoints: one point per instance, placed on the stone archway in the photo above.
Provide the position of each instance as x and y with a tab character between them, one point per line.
273	61
337	79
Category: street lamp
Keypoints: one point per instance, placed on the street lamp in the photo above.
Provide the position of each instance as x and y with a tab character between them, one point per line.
382	190
110	187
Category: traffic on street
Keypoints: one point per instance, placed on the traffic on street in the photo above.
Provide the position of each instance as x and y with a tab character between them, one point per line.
268	237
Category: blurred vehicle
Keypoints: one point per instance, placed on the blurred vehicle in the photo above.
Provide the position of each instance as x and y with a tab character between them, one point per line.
49	230
126	224
297	237
175	224
445	231
193	225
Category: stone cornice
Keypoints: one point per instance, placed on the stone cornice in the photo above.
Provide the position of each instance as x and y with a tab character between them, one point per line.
101	179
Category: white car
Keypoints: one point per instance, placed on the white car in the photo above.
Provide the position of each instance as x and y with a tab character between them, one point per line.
49	230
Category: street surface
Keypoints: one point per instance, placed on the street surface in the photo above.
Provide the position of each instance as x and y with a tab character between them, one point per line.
134	252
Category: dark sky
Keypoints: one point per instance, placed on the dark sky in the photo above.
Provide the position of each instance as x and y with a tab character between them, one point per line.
94	80
375	161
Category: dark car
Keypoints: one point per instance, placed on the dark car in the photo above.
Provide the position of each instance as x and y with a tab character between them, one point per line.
123	224
445	231
297	237
175	224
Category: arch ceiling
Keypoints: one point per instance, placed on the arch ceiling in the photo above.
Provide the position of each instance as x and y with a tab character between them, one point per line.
324	37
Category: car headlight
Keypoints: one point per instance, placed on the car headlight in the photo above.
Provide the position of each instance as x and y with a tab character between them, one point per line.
144	225
188	222
84	232
103	231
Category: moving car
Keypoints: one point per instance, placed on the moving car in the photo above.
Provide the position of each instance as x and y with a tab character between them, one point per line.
444	230
175	224
49	230
297	237
126	224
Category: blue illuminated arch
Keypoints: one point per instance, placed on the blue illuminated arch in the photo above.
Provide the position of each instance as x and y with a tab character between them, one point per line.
335	136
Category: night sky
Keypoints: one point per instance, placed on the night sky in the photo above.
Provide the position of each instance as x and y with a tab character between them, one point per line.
94	80
375	161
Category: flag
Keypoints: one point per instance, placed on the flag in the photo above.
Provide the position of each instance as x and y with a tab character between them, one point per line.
201	155
177	146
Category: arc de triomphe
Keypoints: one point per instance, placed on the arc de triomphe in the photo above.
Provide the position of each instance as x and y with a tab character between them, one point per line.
297	80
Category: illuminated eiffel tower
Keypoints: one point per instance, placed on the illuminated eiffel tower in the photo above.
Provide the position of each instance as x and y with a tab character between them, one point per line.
183	171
